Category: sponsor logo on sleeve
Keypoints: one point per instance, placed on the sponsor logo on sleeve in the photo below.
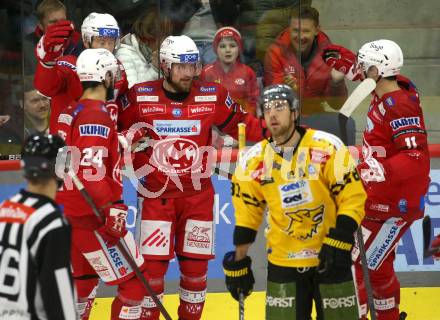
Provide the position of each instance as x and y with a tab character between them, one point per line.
66	64
147	109
405	122
205	98
145	89
239	81
229	102
147	98
209	89
381	108
65	118
199	109
94	130
318	156
390	101
177	127
370	125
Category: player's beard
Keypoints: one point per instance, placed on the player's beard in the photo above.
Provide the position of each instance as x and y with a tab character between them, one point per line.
281	134
180	86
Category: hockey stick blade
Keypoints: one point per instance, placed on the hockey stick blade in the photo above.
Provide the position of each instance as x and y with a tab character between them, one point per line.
427	250
366	273
426	225
357	96
353	101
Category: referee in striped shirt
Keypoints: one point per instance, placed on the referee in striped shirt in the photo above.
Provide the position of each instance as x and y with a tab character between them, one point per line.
35	276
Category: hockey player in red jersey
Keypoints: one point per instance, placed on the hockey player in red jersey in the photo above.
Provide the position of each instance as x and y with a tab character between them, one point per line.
394	169
56	76
179	113
95	155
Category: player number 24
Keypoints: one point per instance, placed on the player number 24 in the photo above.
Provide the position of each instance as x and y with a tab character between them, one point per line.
90	157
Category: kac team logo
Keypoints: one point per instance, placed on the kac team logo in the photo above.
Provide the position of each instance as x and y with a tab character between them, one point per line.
175	155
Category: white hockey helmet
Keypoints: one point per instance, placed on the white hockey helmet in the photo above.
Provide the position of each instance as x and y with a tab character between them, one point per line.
179	49
100	25
385	55
93	65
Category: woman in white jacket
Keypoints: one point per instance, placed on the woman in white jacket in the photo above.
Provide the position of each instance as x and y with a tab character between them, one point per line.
138	51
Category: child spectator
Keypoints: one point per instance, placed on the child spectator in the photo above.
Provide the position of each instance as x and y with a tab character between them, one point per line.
236	77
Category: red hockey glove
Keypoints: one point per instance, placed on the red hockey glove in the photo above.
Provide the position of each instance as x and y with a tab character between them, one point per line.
436	245
52	43
121	82
371	170
115	220
129	138
342	60
338	58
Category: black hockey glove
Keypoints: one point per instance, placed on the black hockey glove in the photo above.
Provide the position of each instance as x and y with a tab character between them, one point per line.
238	275
335	257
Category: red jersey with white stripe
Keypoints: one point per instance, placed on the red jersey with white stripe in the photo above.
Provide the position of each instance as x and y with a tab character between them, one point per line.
61	83
88	129
396	137
176	164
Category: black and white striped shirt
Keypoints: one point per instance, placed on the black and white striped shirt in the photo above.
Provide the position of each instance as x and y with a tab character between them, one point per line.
35	276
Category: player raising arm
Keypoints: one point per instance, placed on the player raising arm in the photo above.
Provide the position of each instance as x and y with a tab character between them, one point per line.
395	165
55	75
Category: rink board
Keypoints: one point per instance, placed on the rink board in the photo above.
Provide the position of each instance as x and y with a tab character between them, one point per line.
409	251
419	303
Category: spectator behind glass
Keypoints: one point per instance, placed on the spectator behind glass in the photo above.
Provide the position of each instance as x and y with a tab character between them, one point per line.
201	27
48	12
236	77
295	59
138	51
36	109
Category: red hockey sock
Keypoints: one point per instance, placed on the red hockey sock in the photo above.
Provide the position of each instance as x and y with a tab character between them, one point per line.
156	271
192	288
121	310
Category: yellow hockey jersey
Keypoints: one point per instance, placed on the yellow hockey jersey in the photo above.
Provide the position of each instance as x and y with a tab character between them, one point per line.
304	191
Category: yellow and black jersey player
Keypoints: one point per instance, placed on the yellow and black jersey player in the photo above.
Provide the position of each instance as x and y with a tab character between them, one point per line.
308	181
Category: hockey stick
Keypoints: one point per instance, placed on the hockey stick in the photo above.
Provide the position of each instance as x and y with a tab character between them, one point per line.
120	245
241	150
353	101
366	273
241	306
427	249
426	225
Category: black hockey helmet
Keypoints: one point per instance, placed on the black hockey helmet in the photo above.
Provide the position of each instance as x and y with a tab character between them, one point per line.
39	155
279	91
